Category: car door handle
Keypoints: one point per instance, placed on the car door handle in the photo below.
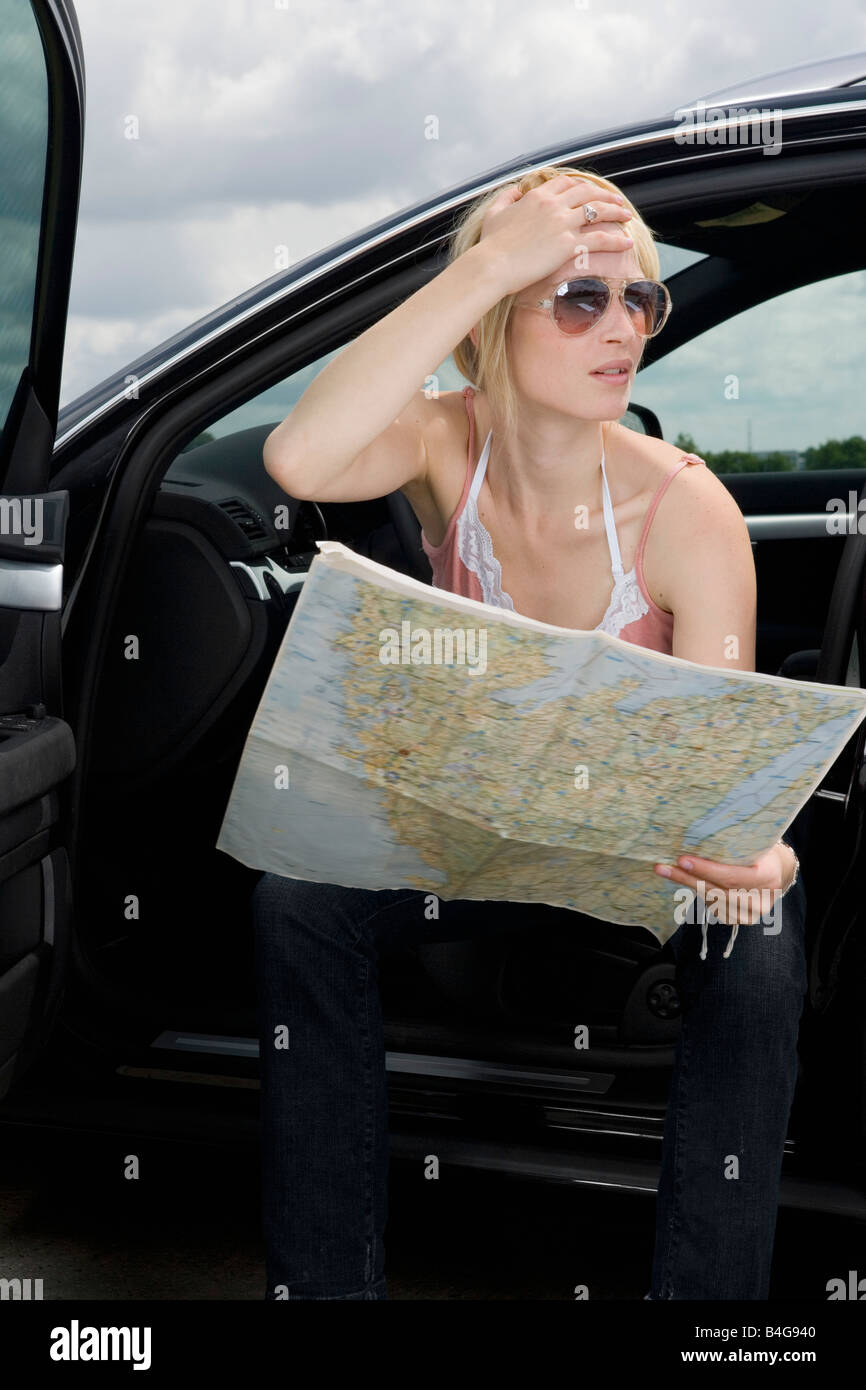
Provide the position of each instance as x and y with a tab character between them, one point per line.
28	585
32	531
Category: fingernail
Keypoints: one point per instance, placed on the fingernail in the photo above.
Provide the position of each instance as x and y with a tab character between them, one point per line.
663	869
685	863
629	241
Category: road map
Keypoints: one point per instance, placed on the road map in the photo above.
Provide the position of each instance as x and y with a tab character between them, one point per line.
408	737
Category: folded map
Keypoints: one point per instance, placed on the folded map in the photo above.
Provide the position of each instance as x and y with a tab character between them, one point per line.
408	737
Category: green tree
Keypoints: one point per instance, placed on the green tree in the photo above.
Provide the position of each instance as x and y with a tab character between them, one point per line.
739	461
837	453
834	453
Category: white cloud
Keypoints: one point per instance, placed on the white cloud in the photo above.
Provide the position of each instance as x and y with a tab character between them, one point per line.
262	125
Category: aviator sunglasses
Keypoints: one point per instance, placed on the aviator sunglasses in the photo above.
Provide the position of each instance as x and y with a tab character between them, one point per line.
578	305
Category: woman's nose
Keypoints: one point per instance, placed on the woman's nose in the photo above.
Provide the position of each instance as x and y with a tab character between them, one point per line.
618	320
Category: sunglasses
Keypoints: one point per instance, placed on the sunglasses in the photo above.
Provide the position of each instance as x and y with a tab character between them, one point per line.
576	306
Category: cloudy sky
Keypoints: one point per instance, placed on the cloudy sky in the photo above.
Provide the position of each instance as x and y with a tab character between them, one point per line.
269	123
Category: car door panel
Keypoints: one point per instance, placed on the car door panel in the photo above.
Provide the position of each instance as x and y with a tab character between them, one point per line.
40	147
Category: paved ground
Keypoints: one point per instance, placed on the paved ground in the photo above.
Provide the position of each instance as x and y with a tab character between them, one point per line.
189	1229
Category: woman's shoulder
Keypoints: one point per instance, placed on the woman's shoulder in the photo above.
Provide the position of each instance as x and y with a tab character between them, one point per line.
657	456
445	422
690	494
685	497
446	443
655	465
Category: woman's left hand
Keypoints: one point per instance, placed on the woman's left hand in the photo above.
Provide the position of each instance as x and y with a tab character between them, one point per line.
743	894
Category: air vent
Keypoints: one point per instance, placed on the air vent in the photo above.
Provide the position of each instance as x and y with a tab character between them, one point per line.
244	517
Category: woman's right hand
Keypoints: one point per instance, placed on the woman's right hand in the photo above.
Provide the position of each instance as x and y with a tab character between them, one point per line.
530	235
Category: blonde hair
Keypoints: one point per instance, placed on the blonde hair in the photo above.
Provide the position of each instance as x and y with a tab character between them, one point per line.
486	365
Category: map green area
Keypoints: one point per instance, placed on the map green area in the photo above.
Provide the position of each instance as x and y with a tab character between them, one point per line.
411	738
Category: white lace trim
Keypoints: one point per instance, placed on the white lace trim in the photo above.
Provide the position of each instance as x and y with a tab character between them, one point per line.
627	604
475	548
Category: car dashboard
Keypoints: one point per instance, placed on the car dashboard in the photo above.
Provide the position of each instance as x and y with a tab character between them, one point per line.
267	538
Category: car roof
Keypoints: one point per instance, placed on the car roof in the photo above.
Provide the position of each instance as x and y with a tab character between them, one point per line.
825	74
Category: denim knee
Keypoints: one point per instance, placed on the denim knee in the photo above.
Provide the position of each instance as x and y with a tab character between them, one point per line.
774	950
332	909
764	978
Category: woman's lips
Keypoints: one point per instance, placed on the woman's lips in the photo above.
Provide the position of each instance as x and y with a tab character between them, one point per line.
616	378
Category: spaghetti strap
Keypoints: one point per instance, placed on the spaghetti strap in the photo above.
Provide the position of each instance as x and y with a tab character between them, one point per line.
467	393
435	550
657	497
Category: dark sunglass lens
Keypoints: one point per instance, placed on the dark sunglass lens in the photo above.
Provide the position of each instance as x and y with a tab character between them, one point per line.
581	305
646	304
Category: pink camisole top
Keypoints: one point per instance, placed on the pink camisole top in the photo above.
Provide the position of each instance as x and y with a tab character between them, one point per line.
464	562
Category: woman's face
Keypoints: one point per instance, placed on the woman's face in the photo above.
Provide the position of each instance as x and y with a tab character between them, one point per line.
552	369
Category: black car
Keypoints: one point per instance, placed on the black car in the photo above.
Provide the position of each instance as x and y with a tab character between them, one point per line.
140	619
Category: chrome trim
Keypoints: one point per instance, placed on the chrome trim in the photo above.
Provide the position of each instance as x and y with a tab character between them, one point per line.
469	1069
24	584
619	1171
407	1063
288	580
794	525
831	796
556	1117
571	1165
579	151
206	1042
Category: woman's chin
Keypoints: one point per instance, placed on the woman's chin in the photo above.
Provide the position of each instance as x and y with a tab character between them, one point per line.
604	412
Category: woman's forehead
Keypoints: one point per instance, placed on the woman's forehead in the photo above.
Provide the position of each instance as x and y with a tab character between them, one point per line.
622	265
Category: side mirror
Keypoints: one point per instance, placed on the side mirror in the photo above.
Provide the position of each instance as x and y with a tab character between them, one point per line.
643	420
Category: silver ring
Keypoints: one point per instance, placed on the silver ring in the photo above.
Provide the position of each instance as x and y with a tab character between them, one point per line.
589	212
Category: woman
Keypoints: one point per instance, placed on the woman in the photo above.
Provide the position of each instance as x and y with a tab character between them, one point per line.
544	517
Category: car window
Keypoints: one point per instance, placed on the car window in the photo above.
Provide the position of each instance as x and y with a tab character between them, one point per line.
776	387
275	404
23	150
673	259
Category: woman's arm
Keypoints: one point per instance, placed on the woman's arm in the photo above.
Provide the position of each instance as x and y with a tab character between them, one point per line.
708	574
358	431
703	556
372	386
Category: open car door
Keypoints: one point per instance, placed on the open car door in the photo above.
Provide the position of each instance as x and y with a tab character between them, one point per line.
41	133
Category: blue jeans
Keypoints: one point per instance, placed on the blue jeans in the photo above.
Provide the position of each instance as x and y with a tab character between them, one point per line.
324	1103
